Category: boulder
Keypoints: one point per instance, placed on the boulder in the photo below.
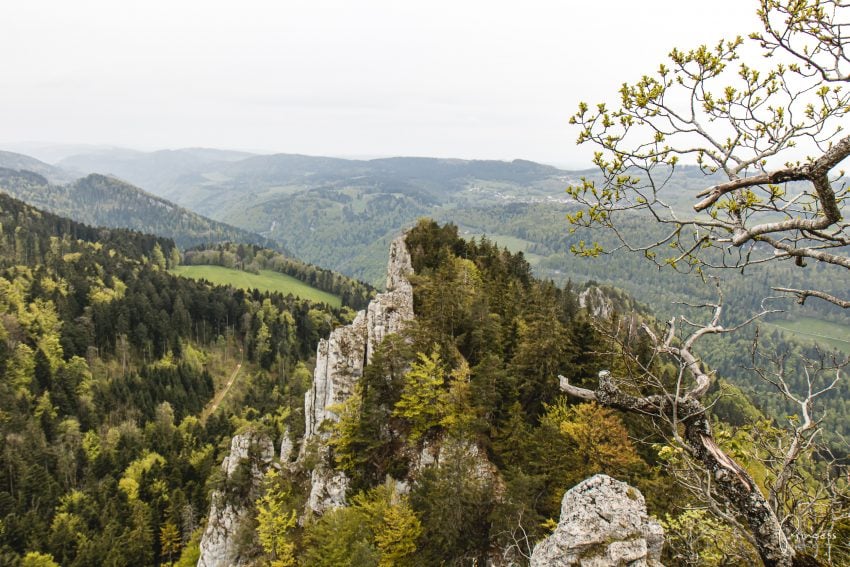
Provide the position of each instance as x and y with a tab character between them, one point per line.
603	524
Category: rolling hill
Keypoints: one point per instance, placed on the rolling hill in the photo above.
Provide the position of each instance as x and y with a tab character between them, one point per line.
333	212
20	162
106	201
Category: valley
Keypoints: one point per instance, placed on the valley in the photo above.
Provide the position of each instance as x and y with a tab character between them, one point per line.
493	288
388	284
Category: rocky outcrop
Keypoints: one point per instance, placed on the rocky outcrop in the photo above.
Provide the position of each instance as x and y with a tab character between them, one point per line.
340	359
286	447
389	311
451	450
339	365
596	302
603	524
327	488
229	509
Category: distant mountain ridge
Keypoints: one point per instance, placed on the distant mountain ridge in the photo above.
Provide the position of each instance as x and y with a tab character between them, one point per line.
342	213
333	212
161	172
105	201
156	171
21	162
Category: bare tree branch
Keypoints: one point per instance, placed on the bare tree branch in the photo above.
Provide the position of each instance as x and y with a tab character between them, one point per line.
803	294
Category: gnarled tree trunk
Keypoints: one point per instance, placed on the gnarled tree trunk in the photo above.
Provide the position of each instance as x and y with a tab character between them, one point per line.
731	481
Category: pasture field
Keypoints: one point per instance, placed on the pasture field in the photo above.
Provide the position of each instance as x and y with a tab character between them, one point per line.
266	280
811	330
512	243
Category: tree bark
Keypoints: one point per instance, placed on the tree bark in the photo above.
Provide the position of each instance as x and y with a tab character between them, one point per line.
731	481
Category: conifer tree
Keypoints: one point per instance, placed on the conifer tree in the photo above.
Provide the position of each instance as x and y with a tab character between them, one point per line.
420	394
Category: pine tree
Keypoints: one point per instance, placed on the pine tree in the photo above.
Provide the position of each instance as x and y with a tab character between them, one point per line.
157	257
397	531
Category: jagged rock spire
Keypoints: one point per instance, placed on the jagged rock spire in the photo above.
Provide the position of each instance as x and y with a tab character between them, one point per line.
339	365
341	358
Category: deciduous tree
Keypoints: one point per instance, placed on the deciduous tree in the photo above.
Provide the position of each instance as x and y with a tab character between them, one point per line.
767	133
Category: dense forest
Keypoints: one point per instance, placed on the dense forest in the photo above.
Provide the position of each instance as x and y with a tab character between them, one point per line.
548	243
108	362
475	376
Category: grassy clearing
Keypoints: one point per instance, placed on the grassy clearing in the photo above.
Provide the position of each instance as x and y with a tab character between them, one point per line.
811	330
512	243
266	280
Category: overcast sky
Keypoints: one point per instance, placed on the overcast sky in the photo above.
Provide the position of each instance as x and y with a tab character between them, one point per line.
470	79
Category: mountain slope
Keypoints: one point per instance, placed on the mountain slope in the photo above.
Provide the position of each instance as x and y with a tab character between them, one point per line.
108	362
342	213
157	172
106	201
333	212
11	160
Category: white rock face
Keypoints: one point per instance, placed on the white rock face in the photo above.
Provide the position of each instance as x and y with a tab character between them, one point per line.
603	524
448	450
340	359
218	547
339	365
389	311
327	489
596	302
286	447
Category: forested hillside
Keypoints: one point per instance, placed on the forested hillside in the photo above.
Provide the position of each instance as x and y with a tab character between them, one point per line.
341	214
108	363
111	362
106	201
542	234
20	162
473	380
337	213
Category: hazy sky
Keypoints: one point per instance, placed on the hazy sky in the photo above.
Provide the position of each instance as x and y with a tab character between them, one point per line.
471	79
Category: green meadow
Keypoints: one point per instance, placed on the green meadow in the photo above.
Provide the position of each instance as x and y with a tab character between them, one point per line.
266	280
811	330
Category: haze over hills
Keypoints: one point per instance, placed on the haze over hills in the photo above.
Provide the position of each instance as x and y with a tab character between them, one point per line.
153	171
338	213
341	214
105	201
16	161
